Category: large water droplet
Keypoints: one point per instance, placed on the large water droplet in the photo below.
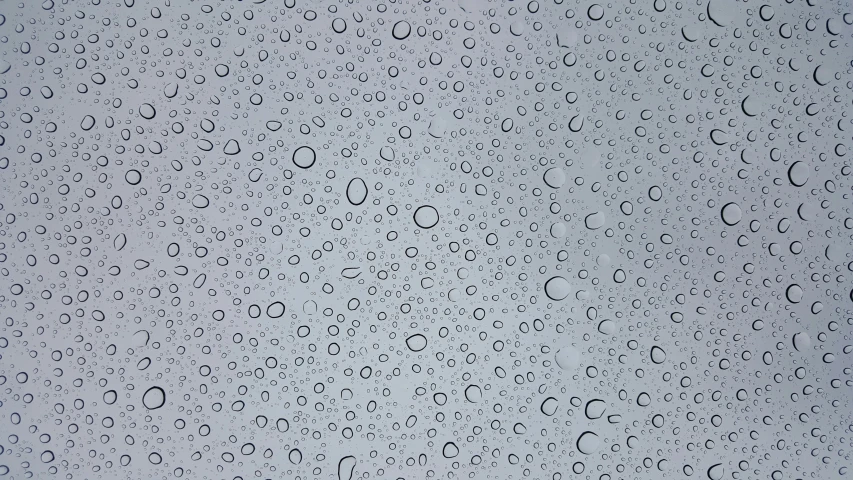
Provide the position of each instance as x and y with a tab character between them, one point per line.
588	443
304	157
450	450
345	467
416	342
154	398
568	358
557	288
426	216
731	213
356	191
549	406
594	221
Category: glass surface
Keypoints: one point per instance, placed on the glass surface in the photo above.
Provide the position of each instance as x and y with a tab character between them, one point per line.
348	240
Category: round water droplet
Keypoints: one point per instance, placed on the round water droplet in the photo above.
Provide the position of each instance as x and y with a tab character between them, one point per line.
554	177
595	409
473	393
588	443
823	75
437	127
798	174
594	221
426	216
309	307
722	12
568	358
731	214
304	157
549	406
133	177
802	341
716	472
794	293
607	327
750	105
517	28
147	111
557	288
154	398
595	12
401	30
806	211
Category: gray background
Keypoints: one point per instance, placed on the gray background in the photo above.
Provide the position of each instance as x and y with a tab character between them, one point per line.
631	258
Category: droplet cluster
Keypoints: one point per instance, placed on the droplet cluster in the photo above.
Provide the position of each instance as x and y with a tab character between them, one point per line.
417	239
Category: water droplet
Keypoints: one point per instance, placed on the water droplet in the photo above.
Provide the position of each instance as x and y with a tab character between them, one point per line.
416	342
802	341
401	30
588	443
549	406
356	191
594	221
304	157
731	214
450	450
473	393
568	358
154	398
557	288
426	217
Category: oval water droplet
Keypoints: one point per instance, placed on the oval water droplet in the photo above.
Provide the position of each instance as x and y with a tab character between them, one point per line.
120	241
401	30
798	173
416	342
200	201
356	191
295	456
657	355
